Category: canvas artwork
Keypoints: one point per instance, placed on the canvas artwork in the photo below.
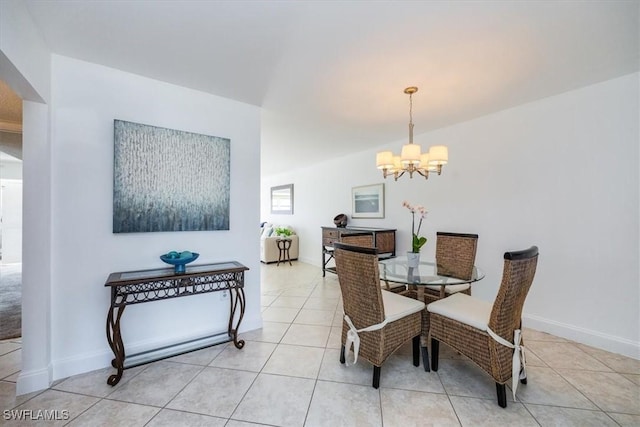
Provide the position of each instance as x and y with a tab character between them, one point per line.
169	180
367	201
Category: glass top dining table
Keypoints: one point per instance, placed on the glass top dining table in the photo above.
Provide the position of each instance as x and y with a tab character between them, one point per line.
397	270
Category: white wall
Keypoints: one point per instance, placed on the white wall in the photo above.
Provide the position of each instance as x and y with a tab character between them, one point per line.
35	371
11	169
25	64
86	98
560	173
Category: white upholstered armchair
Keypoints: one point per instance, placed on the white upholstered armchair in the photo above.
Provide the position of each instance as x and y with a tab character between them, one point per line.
269	247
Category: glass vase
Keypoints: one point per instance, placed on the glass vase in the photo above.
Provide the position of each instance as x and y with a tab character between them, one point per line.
413	259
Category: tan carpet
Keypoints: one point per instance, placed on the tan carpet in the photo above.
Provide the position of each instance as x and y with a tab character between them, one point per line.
10	301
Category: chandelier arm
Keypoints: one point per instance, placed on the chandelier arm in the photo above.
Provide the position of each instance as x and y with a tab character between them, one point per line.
424	173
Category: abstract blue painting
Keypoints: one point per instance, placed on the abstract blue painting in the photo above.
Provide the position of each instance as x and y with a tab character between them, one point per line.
169	180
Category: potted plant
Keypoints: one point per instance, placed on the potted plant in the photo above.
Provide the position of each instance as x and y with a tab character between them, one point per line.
417	241
283	232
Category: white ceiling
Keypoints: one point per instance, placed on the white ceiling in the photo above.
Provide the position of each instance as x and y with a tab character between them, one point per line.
330	75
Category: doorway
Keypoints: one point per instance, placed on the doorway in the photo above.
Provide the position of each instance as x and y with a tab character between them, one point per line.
10	214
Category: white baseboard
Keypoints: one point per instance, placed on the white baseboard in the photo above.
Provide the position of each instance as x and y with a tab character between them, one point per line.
30	381
589	337
311	261
64	368
596	339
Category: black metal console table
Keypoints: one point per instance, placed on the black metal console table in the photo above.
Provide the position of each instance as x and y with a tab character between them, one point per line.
135	287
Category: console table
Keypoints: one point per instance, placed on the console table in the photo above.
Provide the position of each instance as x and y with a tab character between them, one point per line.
384	240
135	287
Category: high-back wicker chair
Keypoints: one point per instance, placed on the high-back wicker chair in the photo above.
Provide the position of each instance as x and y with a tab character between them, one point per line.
379	320
365	240
488	334
455	257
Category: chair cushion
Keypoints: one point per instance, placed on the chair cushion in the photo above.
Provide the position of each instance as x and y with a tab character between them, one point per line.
396	306
392	285
464	309
450	289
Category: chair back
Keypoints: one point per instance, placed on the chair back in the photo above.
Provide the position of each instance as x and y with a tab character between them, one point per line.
517	276
358	239
456	254
359	278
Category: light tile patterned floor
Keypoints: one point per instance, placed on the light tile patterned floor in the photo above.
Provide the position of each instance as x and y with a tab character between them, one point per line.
288	374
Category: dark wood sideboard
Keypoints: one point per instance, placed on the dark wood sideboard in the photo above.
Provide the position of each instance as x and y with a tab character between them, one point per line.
384	239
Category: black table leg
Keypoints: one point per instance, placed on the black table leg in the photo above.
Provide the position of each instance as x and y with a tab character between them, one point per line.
236	301
115	342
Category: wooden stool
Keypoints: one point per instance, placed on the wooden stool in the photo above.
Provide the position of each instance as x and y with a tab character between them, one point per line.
283	250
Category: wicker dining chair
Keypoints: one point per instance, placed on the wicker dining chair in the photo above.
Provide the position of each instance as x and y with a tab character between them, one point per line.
365	240
489	334
379	320
455	257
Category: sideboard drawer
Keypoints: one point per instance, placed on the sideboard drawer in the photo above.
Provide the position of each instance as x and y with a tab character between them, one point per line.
329	237
329	241
335	234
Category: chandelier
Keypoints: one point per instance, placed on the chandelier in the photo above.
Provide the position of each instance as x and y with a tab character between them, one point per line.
411	159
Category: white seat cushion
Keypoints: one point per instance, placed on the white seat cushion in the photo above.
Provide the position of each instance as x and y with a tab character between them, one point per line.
465	309
396	306
450	289
392	285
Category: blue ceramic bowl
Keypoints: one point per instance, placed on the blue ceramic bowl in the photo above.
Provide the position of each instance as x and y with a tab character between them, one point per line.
179	259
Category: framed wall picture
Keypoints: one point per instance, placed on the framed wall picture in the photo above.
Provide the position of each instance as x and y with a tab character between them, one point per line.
282	199
367	201
169	180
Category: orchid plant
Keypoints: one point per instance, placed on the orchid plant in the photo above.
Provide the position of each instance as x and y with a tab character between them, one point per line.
417	242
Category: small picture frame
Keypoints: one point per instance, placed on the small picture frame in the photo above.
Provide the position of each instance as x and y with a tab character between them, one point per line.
367	201
282	199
